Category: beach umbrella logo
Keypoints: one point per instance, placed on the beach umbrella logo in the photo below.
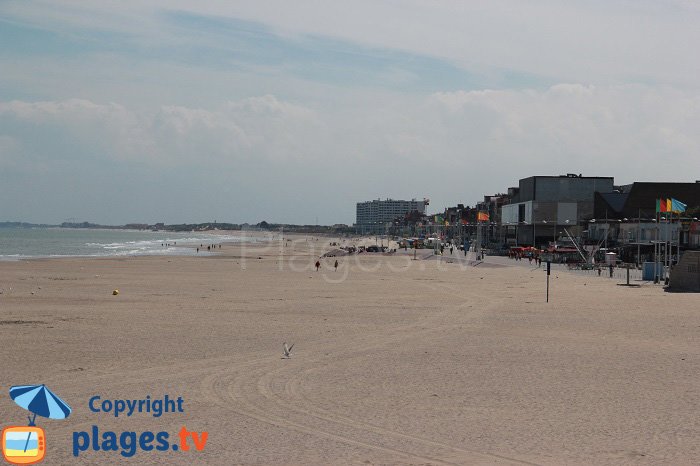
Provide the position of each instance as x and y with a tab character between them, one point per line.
27	444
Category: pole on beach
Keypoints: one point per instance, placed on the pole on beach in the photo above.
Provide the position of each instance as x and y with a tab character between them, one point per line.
639	234
667	242
549	268
657	249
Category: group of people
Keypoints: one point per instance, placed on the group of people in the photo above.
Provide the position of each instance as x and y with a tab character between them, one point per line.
518	256
209	247
318	265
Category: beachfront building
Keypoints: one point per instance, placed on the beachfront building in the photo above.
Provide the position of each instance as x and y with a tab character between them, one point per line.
544	208
376	216
638	200
626	219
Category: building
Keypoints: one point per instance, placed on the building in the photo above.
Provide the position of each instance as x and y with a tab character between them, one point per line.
541	207
375	216
626	219
638	200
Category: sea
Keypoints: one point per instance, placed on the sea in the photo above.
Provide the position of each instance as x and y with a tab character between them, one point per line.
27	243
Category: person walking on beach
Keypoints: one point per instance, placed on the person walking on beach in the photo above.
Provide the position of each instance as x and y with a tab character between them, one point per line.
318	265
336	265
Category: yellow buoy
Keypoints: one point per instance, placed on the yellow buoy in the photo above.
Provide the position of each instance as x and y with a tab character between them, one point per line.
115	292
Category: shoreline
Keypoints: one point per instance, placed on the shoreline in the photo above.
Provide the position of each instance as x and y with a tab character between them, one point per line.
182	249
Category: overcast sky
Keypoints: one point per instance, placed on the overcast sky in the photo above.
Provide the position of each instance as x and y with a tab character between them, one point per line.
288	111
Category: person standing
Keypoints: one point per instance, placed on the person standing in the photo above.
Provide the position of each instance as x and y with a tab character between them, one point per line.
318	265
336	265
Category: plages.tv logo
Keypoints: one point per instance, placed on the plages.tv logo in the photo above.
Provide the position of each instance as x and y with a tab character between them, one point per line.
129	443
27	444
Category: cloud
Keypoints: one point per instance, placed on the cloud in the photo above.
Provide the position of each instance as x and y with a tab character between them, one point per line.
262	127
608	42
449	146
258	126
609	130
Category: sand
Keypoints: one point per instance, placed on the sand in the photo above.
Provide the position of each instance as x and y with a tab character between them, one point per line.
395	361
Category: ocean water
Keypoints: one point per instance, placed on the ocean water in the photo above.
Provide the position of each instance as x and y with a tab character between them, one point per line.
24	243
21	444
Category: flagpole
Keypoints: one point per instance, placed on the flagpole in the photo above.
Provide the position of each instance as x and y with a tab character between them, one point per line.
639	234
656	247
665	257
666	243
678	240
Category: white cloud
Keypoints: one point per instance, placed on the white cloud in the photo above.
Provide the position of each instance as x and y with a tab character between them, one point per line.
453	147
608	42
135	119
254	127
613	130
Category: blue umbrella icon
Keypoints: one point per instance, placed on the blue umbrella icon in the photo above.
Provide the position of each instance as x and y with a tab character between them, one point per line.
38	399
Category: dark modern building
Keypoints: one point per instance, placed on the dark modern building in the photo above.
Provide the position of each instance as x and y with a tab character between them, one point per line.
541	207
638	200
626	218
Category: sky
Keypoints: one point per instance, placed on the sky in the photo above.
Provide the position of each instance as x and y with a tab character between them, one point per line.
291	112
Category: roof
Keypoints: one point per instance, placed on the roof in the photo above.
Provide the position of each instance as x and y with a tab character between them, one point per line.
573	176
616	201
639	199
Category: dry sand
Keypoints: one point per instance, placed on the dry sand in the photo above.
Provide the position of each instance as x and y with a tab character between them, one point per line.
396	361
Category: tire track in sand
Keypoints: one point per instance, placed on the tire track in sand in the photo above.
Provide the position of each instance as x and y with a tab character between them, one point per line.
252	393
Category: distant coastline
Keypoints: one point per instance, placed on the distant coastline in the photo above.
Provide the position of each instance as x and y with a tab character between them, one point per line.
338	229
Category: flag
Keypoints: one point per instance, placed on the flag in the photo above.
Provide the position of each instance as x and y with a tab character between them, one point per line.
677	206
663	205
483	217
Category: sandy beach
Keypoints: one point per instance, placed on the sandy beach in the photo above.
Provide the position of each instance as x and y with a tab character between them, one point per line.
395	361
